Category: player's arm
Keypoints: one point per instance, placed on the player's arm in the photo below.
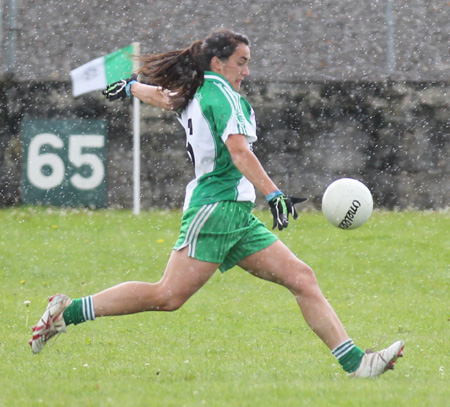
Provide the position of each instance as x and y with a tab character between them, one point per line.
248	164
150	94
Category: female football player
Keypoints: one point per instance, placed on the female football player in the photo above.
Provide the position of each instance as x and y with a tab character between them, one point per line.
201	84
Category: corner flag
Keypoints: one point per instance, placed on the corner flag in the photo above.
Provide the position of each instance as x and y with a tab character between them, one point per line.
100	72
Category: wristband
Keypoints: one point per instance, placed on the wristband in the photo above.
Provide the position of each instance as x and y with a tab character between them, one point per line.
273	195
128	88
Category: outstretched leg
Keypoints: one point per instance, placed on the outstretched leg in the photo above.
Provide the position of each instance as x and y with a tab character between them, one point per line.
183	277
278	264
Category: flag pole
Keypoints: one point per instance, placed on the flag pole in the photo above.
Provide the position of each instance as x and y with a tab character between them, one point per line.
136	140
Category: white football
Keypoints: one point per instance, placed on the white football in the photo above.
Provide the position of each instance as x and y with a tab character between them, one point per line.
347	203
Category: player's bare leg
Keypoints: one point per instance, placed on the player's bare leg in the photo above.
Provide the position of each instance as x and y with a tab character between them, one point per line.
278	264
183	277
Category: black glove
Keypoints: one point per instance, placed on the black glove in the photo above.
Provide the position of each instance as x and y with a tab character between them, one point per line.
119	89
281	207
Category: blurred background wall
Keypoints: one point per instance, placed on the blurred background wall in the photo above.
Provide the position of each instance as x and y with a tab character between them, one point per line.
349	88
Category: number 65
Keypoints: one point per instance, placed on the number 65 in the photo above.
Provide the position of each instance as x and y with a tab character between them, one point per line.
37	161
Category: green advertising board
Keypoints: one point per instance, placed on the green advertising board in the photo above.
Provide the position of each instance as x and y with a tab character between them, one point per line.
64	162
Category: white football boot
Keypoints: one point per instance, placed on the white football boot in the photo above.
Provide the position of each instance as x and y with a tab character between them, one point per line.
376	363
51	323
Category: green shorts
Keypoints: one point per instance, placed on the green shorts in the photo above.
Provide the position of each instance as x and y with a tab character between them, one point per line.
223	232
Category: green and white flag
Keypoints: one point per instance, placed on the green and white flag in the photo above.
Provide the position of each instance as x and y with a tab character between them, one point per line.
102	71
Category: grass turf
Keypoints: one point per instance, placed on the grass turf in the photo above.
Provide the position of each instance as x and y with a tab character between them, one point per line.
240	341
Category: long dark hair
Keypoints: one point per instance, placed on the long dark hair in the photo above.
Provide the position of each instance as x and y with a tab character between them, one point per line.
183	71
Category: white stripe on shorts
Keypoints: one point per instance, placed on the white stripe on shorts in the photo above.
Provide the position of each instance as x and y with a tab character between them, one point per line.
196	226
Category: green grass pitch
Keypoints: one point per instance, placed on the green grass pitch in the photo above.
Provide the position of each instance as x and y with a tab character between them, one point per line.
239	341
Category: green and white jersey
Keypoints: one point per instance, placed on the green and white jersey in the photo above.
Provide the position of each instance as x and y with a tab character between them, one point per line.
215	112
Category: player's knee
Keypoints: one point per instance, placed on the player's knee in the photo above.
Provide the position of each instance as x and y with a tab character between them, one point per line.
171	304
305	280
311	278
